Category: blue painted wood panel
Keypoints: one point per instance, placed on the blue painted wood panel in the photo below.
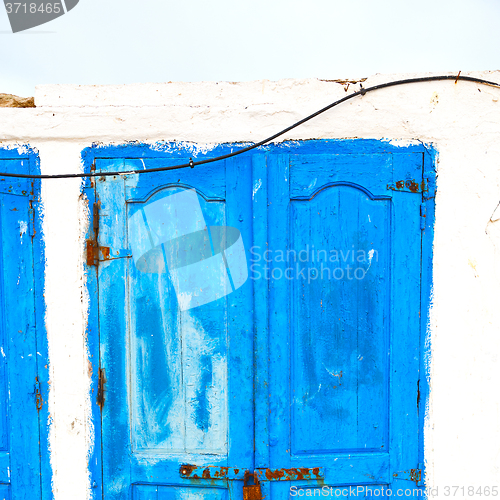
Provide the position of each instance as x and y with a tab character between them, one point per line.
345	330
22	352
340	249
313	362
176	376
178	358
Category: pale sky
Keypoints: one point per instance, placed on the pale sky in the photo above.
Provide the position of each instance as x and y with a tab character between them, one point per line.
127	41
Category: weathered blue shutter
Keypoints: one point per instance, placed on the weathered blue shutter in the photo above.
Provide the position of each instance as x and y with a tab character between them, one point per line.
312	363
20	390
179	381
344	333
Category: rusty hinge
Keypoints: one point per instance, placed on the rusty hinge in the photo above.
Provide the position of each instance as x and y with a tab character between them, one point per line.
100	387
409	186
263	474
414	475
92	253
92	243
96	253
38	395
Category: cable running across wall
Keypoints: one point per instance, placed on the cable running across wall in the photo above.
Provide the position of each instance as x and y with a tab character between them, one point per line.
193	164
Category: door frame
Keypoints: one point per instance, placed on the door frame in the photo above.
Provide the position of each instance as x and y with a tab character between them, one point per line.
323	146
31	165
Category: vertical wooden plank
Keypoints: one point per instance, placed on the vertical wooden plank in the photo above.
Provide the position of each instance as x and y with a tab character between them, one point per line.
240	326
33	166
427	226
92	333
113	347
279	315
261	311
112	333
21	341
4	437
405	341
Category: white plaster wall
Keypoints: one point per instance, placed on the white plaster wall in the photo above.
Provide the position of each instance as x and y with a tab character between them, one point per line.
461	120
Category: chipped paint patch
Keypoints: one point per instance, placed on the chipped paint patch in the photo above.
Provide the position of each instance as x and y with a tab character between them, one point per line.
403	143
23	228
256	188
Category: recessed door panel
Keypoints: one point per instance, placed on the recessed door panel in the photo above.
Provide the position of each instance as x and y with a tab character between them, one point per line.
340	245
178	365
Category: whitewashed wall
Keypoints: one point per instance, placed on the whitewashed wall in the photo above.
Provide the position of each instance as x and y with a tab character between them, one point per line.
462	121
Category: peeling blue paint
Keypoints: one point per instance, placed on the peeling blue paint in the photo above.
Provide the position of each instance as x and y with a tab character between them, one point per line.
201	404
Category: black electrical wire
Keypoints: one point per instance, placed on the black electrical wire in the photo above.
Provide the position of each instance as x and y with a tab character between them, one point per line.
193	164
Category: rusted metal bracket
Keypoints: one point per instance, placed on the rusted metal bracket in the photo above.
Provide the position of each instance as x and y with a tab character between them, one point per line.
92	243
107	253
294	474
409	186
96	253
189	471
263	474
414	475
92	253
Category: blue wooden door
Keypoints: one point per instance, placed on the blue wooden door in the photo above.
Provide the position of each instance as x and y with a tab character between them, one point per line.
175	321
20	397
307	359
344	266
